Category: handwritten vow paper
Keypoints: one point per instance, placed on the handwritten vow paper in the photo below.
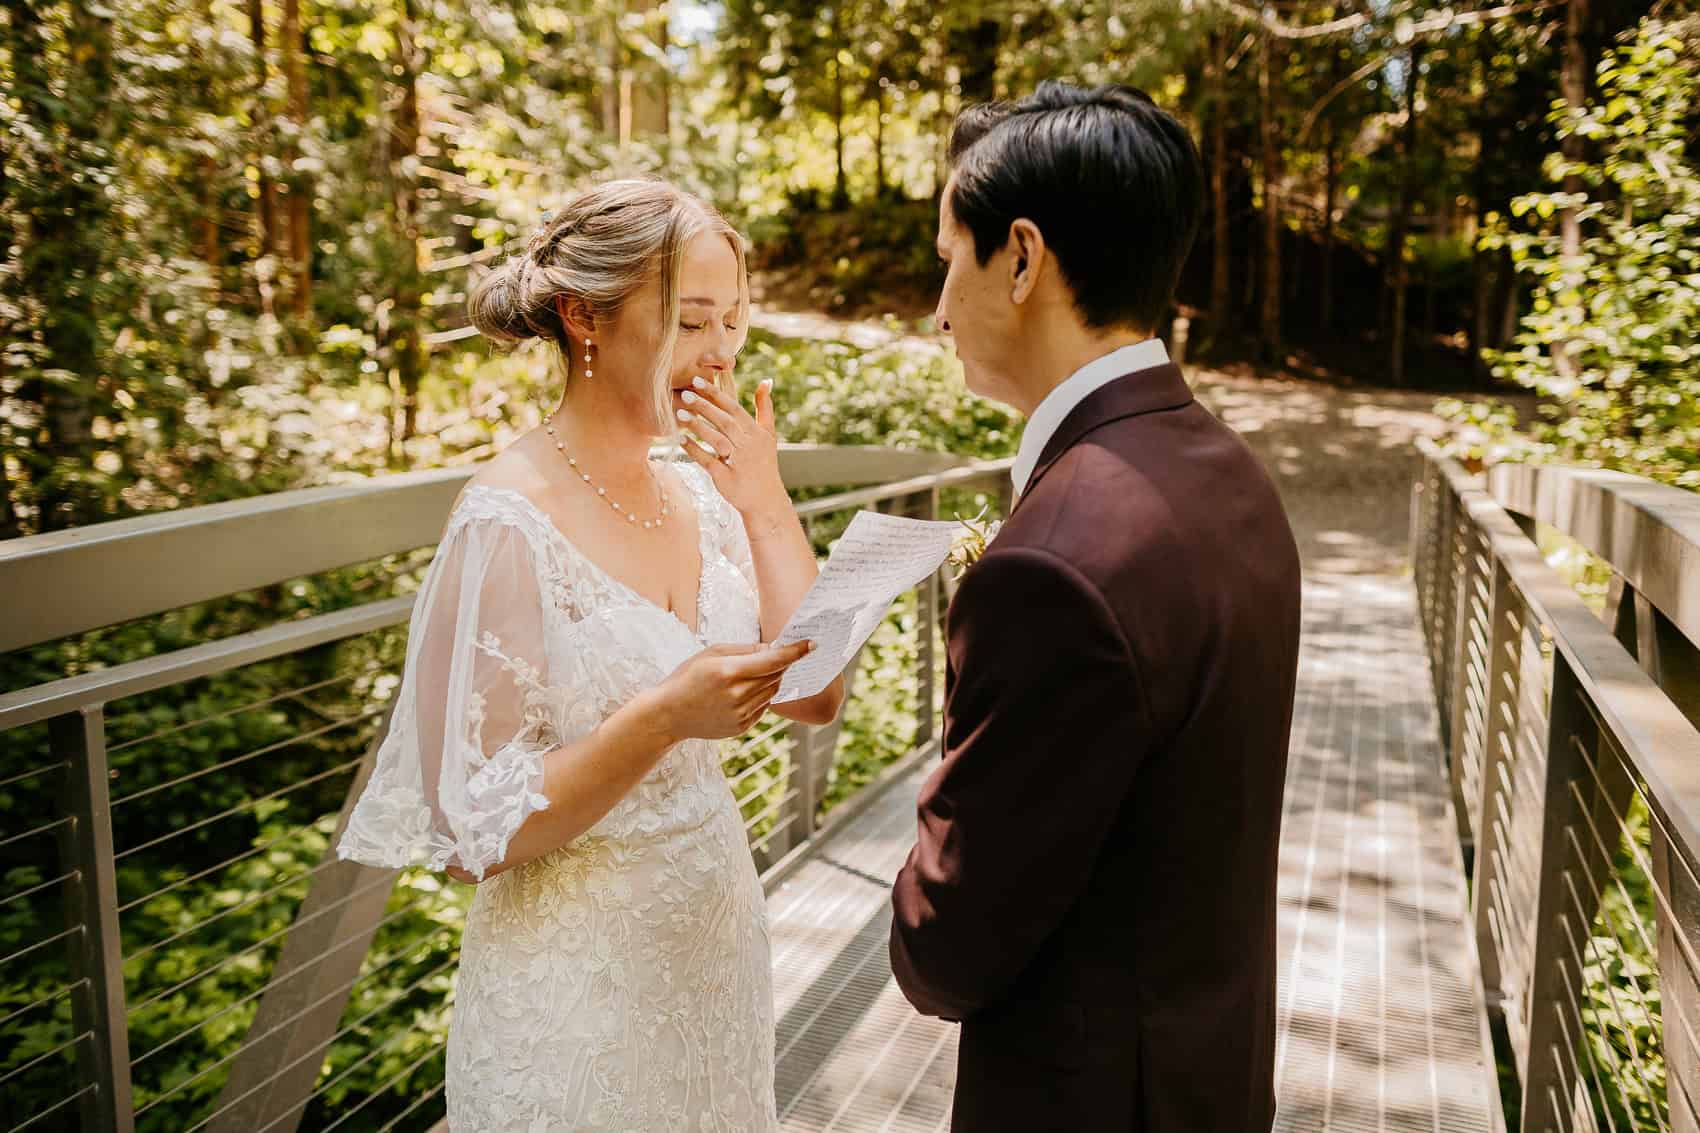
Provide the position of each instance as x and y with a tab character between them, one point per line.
878	558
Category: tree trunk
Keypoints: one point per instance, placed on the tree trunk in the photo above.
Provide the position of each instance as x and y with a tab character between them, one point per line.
1397	270
1573	81
975	47
208	193
1221	238
1510	306
265	209
300	189
1481	297
408	361
70	328
610	92
1269	318
840	187
1330	191
650	117
1482	261
941	149
11	526
207	217
879	139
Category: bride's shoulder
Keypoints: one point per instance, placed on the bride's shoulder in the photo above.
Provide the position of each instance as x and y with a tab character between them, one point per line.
504	490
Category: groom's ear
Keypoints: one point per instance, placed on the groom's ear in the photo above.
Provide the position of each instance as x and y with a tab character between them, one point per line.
1027	260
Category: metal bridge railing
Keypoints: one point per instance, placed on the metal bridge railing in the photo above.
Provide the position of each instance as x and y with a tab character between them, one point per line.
1575	768
179	947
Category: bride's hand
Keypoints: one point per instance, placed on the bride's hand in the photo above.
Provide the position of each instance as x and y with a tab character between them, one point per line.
723	690
740	452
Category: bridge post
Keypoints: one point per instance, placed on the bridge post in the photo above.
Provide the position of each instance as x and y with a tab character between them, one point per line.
1467	554
1499	738
926	506
271	1082
1587	791
1673	662
1548	1081
91	904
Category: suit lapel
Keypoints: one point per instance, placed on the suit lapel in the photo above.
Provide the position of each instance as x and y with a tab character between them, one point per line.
1143	391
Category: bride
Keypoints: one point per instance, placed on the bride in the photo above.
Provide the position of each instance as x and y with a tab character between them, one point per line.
590	625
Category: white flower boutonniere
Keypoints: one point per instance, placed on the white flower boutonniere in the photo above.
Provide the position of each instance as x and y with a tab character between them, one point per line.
973	542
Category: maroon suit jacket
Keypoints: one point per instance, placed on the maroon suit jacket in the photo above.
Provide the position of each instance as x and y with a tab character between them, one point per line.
1093	889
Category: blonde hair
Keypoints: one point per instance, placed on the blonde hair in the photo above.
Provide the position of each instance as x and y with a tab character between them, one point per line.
601	247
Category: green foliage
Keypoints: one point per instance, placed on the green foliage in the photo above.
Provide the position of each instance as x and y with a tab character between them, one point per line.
1611	337
907	395
878	258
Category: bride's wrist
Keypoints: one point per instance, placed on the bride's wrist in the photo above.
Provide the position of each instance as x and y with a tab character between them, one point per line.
769	519
650	717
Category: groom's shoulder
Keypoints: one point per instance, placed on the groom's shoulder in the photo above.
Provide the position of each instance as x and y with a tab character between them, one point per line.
1044	557
1095	509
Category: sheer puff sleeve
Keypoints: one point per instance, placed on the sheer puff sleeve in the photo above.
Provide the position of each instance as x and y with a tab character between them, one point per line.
461	767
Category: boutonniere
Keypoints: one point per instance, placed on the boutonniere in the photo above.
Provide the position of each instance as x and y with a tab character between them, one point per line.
972	543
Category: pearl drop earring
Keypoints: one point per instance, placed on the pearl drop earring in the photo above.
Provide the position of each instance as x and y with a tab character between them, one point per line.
587	370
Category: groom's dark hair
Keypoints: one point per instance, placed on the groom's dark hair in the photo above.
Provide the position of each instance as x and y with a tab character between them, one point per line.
1113	182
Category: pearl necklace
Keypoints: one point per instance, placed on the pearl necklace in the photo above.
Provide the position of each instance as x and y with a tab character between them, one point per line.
631	517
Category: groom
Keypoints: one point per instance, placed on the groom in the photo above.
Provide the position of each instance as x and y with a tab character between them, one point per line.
1092	892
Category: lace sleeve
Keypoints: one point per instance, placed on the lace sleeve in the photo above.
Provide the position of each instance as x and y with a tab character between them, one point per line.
461	767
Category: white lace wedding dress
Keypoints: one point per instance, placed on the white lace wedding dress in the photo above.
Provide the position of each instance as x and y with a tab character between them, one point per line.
623	981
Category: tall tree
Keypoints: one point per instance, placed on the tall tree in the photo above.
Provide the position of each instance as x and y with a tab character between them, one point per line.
1573	82
406	341
838	57
974	44
1216	85
300	187
68	264
266	210
645	99
1269	313
1396	263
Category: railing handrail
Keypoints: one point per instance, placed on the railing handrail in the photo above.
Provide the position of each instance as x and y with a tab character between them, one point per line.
63	583
1656	737
1572	741
1649	532
967	474
41	702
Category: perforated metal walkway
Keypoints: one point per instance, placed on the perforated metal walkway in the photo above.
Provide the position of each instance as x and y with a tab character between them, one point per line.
1381	1024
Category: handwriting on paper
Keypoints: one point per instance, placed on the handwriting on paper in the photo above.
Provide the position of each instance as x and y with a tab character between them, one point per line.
879	557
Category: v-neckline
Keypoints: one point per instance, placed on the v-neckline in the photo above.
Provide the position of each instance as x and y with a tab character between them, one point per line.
608	575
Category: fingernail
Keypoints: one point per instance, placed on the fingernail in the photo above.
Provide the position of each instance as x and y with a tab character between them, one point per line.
767	383
811	648
684	414
699	383
688	397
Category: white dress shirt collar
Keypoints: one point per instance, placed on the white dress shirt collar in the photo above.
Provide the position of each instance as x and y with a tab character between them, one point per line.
1048	416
